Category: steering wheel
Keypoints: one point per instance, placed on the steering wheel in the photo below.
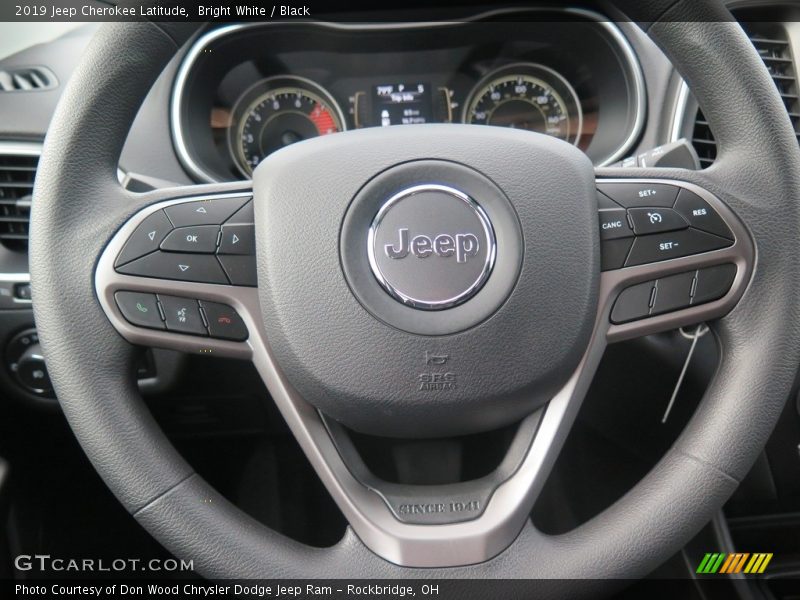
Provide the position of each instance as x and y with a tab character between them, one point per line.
420	281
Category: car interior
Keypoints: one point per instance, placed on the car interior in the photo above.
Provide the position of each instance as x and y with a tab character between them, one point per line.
457	291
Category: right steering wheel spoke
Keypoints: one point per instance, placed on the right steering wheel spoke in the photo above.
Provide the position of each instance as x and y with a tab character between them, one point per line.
673	255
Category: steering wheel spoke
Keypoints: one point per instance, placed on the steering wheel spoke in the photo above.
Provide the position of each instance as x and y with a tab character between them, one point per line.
437	525
673	255
181	274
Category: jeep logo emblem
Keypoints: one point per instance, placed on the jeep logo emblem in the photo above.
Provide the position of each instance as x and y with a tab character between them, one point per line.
462	245
444	228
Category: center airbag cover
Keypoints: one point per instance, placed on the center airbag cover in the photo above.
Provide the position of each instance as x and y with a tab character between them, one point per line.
381	365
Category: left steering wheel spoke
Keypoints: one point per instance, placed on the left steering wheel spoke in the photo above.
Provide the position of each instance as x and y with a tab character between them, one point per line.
180	273
673	254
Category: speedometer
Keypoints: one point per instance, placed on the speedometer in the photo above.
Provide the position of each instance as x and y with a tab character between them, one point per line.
277	112
526	96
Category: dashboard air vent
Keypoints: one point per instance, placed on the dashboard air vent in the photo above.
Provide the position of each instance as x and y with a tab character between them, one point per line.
773	47
16	185
26	79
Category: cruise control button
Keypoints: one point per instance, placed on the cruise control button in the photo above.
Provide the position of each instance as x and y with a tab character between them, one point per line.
713	283
201	239
202	268
224	322
146	238
139	308
700	214
655	220
673	293
238	239
631	194
182	315
241	270
613	253
204	212
663	246
633	303
614	224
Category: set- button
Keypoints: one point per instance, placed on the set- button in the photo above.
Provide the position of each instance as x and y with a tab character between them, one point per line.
204	241
642	223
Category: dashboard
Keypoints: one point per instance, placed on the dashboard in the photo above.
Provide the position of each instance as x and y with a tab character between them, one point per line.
245	91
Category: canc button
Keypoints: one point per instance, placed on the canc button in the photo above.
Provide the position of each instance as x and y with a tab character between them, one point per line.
614	224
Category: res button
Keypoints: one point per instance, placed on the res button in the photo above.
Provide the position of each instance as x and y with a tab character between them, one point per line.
700	214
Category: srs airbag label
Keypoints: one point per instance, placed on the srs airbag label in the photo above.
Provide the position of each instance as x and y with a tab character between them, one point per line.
436	381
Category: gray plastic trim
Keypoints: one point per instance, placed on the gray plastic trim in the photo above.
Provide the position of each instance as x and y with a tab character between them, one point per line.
199	45
508	509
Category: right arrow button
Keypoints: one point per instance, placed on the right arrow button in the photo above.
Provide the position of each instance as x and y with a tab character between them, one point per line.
238	239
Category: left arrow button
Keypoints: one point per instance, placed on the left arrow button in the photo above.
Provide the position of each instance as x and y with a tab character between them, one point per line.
146	238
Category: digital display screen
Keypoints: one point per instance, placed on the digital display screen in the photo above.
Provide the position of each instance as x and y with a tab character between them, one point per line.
402	104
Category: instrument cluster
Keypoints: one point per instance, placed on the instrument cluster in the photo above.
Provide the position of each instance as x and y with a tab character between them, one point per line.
245	91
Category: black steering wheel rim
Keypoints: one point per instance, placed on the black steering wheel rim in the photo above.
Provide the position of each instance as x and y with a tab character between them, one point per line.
757	175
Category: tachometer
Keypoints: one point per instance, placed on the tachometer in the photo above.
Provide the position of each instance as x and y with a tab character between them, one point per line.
277	112
526	96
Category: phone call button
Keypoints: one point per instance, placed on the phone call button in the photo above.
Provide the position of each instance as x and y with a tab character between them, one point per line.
140	308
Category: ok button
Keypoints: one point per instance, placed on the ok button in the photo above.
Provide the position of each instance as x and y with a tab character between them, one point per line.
200	239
